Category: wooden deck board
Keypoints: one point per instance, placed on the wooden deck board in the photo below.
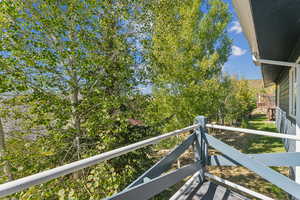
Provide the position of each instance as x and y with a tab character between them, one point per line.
210	191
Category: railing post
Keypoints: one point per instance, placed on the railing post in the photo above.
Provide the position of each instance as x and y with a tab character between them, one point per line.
201	151
200	135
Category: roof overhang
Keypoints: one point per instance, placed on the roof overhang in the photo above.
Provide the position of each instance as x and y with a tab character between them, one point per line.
272	28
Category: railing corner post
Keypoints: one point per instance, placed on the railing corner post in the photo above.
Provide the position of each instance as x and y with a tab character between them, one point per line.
201	151
202	121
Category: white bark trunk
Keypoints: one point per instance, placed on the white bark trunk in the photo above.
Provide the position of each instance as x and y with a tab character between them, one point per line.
76	118
6	167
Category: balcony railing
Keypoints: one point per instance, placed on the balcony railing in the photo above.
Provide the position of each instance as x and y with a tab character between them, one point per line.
155	180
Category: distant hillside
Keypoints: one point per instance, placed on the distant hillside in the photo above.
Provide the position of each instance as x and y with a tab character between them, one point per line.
259	85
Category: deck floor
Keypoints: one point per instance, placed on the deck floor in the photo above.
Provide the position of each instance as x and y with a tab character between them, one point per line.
211	191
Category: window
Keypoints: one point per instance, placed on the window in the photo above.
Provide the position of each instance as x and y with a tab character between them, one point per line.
293	82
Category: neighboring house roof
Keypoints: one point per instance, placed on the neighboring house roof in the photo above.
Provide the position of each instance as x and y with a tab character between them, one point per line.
272	28
135	122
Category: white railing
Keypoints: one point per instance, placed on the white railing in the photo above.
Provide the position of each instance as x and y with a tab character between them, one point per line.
250	131
42	177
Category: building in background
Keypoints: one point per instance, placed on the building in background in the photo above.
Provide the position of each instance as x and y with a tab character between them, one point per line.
265	98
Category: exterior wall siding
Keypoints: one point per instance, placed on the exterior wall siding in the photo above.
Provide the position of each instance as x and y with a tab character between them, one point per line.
285	123
294	58
284	91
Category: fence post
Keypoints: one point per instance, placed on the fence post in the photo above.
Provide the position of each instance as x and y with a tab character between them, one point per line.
201	151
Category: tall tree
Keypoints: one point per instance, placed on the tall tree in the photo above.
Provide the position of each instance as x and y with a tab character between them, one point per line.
188	48
75	60
7	86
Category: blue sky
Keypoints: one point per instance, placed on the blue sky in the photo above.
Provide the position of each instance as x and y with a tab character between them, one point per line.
240	62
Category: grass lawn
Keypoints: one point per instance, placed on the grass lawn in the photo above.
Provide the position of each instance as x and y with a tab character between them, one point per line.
252	144
261	144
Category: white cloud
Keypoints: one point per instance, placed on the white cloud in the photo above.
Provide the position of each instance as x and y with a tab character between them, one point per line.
237	51
236	27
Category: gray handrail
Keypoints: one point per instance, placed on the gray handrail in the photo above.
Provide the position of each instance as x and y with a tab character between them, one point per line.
259	168
250	131
42	177
165	163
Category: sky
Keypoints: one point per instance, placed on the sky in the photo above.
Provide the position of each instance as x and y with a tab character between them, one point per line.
240	62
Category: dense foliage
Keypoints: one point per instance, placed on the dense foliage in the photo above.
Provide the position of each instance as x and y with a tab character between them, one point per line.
70	79
236	101
80	76
189	47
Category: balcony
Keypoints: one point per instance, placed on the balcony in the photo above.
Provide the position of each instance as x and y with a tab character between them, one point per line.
201	184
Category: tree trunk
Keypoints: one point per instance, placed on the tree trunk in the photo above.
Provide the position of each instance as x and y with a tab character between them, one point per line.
6	168
76	119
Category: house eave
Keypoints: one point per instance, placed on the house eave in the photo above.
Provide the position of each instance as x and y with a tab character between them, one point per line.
272	29
244	12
